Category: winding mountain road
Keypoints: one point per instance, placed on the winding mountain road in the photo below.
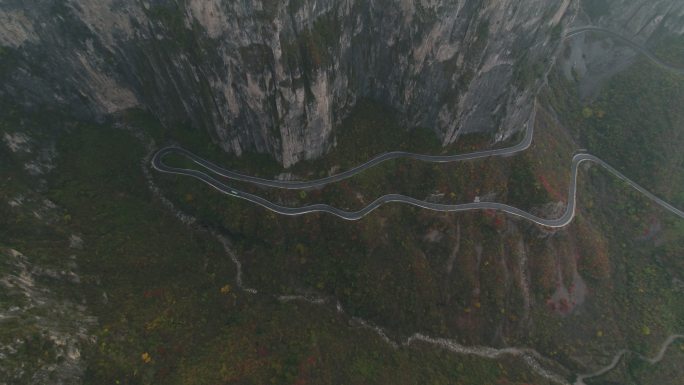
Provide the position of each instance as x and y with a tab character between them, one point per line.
620	354
633	45
531	357
563	220
522	145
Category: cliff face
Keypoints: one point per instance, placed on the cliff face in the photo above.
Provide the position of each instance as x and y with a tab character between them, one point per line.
277	76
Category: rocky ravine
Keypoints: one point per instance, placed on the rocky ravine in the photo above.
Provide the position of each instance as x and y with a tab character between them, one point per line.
277	76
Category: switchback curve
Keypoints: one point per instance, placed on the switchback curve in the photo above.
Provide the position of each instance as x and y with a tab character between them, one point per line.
632	44
561	221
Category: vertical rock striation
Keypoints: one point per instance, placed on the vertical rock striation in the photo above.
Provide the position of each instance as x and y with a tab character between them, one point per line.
276	77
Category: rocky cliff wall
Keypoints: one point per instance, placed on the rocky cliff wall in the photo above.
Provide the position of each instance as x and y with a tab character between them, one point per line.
276	77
